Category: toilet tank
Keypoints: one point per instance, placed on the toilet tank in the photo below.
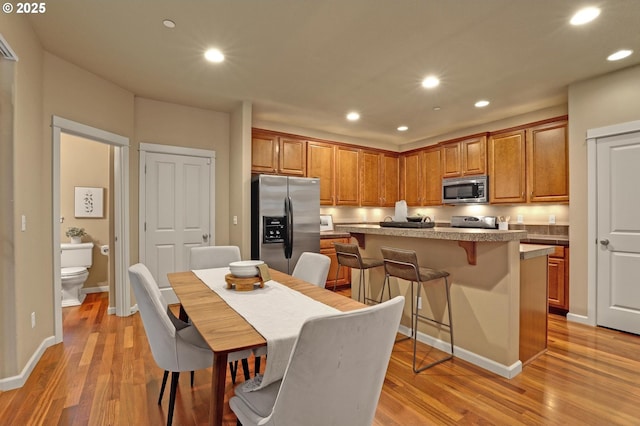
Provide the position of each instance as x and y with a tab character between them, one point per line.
76	255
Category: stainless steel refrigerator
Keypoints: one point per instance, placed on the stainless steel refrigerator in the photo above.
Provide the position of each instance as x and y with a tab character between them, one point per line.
285	219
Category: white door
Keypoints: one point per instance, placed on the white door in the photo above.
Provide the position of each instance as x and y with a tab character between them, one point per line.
177	211
618	232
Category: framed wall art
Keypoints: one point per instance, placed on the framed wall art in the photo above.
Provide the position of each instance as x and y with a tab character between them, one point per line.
89	202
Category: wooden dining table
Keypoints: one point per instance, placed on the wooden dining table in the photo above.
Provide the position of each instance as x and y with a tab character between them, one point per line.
225	331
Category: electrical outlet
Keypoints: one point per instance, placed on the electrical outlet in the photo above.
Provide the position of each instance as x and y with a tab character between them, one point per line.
33	320
520	219
24	223
552	219
235	220
419	302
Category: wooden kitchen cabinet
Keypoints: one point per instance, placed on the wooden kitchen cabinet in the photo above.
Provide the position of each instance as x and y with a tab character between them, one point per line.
328	249
390	180
559	279
411	189
432	177
347	176
548	163
530	164
379	179
274	154
321	164
371	178
465	157
507	165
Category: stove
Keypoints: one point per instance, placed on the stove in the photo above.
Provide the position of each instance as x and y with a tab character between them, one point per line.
482	222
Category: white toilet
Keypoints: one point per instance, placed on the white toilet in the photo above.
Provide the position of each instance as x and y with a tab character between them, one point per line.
74	261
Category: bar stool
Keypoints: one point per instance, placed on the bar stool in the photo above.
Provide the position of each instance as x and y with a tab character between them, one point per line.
349	255
403	264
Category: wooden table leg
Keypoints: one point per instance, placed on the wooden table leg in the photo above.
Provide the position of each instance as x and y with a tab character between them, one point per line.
218	381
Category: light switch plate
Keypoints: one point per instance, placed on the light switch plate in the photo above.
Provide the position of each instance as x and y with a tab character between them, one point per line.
24	223
520	219
552	219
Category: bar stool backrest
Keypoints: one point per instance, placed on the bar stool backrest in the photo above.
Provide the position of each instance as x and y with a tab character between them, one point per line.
348	255
401	263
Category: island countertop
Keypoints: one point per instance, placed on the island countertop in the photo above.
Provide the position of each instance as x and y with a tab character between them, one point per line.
438	233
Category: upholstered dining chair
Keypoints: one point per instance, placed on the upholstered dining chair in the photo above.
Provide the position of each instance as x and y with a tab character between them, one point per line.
176	346
325	386
312	268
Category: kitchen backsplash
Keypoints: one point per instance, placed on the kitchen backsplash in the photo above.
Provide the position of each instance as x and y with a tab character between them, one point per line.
534	217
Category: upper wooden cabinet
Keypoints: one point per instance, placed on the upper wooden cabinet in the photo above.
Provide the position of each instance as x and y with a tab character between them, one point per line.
411	188
321	164
464	157
432	176
548	162
507	167
421	177
529	165
275	154
378	179
390	180
347	176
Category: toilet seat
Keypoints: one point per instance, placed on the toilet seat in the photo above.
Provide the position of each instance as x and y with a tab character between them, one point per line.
73	271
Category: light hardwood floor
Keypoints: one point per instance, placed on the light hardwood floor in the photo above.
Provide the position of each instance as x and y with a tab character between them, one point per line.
104	373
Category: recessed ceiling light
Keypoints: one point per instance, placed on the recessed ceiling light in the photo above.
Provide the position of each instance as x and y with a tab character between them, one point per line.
430	82
584	16
620	54
436	108
169	23
481	104
353	116
403	128
214	55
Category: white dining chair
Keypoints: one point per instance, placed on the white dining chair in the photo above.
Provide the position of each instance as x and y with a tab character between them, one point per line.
213	256
325	386
176	346
312	268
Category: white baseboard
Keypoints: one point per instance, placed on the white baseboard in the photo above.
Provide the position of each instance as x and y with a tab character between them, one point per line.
97	289
111	310
582	319
506	371
18	381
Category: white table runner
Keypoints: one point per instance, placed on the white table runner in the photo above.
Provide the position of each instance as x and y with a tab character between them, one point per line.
275	311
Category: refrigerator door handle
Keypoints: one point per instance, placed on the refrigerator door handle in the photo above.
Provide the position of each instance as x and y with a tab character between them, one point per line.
288	240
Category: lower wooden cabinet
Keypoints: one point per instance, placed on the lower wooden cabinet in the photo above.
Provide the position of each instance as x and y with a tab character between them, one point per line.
559	279
327	248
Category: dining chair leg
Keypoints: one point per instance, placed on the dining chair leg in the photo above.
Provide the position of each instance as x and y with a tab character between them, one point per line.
175	375
256	366
192	374
245	369
233	367
164	383
335	282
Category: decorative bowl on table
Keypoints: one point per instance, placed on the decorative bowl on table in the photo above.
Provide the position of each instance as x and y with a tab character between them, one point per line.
245	268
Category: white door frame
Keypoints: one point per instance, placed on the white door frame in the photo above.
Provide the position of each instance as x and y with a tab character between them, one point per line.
121	207
173	150
592	217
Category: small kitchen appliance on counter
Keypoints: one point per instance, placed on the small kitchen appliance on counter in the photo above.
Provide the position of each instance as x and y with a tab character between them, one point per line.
481	222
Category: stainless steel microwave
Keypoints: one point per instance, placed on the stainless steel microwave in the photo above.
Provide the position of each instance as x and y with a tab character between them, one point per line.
471	189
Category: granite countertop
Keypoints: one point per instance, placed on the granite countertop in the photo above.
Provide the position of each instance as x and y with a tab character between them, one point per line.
437	233
529	251
558	240
334	234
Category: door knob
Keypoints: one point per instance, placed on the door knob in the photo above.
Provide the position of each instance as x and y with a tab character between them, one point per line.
604	242
205	237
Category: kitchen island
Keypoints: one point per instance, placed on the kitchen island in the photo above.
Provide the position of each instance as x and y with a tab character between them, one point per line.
485	277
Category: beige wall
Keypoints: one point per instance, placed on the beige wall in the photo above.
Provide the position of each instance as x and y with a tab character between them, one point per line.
172	124
86	163
30	199
603	101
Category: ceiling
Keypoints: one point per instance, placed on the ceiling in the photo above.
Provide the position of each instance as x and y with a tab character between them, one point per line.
306	63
